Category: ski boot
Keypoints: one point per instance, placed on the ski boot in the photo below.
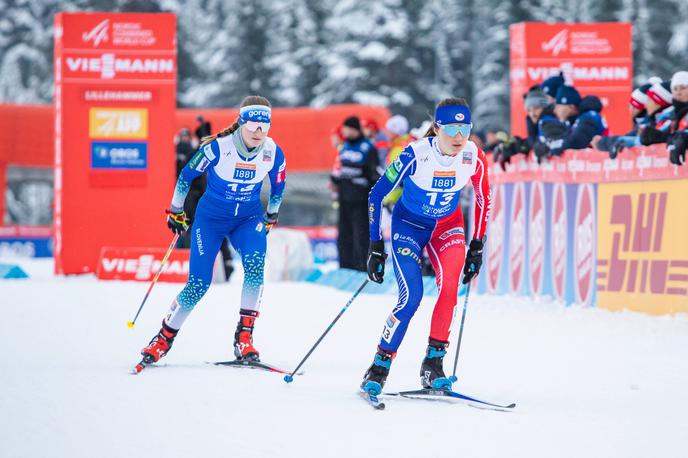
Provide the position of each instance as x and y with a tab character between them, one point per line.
376	375
243	337
431	371
159	345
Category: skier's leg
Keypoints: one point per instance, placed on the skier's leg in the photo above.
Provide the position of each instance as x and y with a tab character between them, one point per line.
446	251
249	239
407	244
205	242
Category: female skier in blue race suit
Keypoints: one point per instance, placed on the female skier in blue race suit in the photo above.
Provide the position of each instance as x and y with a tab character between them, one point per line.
236	160
432	171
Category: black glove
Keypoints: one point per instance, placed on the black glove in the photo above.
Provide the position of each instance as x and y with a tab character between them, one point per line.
177	221
270	220
677	148
474	260
616	149
650	136
541	151
376	260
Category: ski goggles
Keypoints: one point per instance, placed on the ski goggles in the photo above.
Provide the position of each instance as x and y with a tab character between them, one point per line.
253	126
255	117
453	129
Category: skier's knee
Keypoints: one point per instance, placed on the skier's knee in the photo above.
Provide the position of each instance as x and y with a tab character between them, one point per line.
192	293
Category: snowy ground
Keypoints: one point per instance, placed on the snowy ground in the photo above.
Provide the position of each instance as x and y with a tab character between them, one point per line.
588	383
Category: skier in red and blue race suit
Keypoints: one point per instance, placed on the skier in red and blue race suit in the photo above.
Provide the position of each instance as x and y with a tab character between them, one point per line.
432	171
236	160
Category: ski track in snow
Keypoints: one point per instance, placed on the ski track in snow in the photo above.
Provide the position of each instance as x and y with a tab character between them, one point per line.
587	383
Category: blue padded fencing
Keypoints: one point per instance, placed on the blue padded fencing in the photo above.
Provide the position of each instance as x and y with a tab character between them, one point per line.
11	271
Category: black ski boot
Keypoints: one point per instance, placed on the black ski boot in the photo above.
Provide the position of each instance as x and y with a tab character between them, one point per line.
376	375
431	371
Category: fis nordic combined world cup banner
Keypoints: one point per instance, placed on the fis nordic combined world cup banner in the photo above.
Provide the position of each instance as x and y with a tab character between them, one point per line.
588	230
115	98
596	58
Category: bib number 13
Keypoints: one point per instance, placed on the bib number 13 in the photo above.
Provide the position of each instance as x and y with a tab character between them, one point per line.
446	197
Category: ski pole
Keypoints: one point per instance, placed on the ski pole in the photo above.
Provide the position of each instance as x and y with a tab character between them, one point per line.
453	378
290	377
155	279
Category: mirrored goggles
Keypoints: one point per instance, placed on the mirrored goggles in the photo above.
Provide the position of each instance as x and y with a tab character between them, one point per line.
453	129
253	126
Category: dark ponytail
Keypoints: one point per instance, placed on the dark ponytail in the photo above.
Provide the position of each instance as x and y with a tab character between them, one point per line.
250	100
452	101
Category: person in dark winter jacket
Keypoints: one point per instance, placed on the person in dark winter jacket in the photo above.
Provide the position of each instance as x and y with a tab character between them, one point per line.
578	121
551	85
356	175
661	110
650	106
537	105
677	142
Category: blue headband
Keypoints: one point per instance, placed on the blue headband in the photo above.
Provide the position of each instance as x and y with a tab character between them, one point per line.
452	114
257	113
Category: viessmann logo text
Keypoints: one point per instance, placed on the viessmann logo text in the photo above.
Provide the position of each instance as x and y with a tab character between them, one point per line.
109	65
142	267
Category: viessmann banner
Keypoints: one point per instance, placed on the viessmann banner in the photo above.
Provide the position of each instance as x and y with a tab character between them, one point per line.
115	96
596	58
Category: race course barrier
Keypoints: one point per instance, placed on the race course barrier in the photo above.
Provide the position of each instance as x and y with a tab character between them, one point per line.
589	230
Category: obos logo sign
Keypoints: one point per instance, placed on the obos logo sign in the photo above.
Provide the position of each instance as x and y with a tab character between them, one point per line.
496	239
517	235
585	237
536	237
559	240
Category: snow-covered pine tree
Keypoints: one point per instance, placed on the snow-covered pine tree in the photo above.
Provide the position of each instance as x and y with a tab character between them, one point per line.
365	58
291	55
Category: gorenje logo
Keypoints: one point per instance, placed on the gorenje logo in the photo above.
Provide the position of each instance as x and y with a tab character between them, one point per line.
536	237
517	235
559	240
108	65
557	43
97	34
584	259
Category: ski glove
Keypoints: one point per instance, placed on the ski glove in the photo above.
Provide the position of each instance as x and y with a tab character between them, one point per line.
270	220
651	135
474	260
376	260
677	148
177	221
541	151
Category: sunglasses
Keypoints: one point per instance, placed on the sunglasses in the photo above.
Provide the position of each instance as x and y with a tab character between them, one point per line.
253	126
453	129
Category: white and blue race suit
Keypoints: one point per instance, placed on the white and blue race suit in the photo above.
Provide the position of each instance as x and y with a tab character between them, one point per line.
230	207
428	217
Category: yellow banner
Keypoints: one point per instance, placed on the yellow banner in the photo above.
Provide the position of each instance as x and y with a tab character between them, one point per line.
122	123
642	246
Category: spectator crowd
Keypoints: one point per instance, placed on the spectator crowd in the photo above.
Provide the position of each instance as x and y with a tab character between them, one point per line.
559	118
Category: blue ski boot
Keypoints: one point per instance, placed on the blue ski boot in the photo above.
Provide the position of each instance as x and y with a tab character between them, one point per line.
431	371
376	375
